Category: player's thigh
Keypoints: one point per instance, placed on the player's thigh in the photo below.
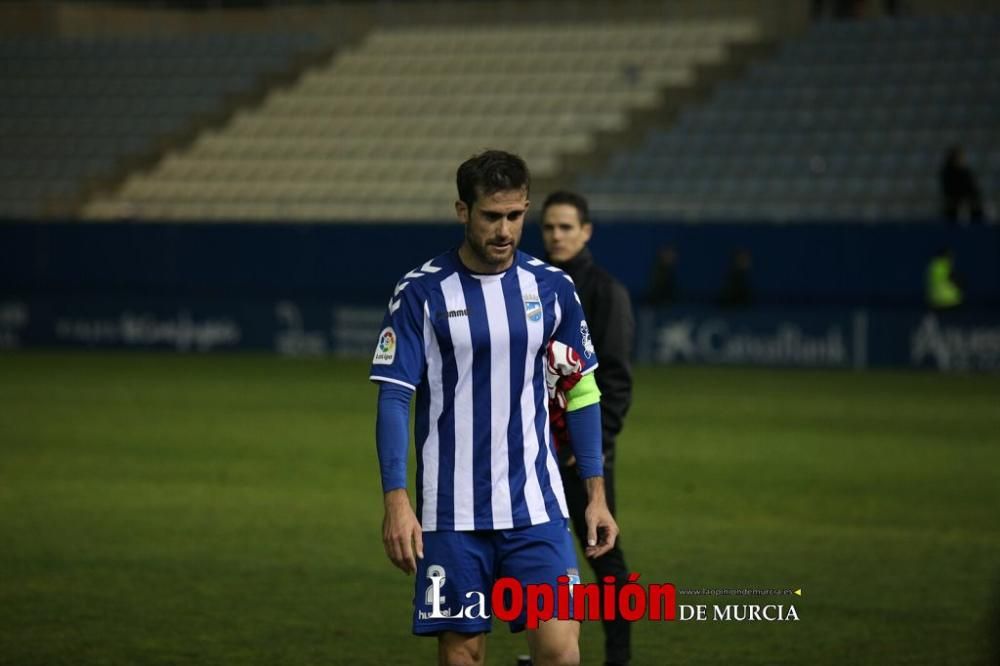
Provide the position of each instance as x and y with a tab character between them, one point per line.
539	556
458	649
555	643
454	574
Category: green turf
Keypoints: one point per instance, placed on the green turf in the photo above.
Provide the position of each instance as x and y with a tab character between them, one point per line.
163	509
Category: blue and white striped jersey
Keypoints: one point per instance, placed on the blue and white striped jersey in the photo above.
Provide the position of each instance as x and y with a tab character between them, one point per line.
473	348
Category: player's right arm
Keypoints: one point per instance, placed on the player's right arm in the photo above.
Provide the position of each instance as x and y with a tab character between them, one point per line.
397	367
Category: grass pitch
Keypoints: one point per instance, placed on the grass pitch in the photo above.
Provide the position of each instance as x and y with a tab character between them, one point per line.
163	509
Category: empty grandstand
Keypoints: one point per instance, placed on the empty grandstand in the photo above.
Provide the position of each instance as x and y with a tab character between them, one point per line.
74	112
374	135
850	121
847	120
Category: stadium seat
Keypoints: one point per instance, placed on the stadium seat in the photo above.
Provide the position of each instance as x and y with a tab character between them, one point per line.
84	106
850	120
377	133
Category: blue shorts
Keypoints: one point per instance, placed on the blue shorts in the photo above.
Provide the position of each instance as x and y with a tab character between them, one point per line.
471	562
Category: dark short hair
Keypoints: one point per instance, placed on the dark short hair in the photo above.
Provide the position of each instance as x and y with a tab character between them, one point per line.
489	172
571	199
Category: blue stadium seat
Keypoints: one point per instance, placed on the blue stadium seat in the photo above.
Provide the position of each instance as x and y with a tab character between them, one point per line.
851	120
71	109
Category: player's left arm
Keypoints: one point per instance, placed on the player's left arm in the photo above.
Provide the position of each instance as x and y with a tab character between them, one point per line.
583	420
602	530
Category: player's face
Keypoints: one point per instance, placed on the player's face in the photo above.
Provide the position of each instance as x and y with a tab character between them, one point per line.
492	229
563	233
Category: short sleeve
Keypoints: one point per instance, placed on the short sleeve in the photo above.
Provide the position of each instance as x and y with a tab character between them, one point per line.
573	329
399	352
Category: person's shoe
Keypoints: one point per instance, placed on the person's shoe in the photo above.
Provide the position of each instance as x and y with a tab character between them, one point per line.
524	660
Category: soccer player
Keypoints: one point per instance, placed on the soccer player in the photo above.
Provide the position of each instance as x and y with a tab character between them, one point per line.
467	332
566	230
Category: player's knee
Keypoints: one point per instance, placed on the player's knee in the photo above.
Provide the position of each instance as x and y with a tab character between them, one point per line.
461	657
565	654
460	653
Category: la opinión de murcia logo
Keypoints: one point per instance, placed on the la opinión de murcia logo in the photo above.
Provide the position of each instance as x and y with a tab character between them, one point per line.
568	599
738	613
571	599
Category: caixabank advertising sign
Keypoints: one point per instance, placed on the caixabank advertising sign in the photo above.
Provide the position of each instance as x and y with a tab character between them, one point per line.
821	338
774	337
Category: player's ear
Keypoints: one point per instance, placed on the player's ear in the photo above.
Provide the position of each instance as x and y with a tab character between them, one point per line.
462	212
588	229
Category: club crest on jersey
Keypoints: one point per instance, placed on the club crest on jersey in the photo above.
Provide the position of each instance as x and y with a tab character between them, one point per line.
588	344
533	310
385	352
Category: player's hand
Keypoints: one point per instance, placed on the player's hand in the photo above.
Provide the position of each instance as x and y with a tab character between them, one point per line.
602	530
402	535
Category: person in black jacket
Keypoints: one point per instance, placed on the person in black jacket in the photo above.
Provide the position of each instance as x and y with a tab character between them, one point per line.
566	229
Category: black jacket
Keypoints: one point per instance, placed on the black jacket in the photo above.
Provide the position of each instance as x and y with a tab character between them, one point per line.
608	310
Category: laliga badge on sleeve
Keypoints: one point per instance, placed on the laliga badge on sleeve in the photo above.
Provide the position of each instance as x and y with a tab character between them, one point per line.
385	352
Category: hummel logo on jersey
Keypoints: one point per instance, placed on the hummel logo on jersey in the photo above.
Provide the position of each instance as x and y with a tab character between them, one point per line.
452	314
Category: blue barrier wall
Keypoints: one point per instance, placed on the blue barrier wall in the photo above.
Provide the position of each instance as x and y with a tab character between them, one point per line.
828	295
804	264
807	264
